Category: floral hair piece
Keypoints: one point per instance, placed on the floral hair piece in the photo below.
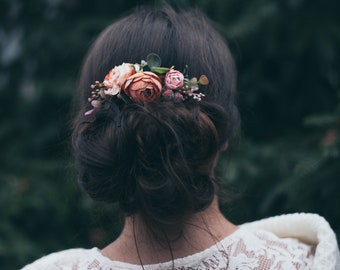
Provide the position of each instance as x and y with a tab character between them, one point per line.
147	81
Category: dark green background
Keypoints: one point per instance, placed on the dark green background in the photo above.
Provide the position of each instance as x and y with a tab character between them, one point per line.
287	158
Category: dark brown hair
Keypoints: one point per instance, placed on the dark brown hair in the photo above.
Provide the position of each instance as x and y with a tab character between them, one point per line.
156	158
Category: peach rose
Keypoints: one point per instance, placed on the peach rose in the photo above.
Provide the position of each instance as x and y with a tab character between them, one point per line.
116	77
143	86
174	79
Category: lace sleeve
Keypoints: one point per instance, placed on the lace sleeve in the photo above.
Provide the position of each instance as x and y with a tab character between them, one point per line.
309	228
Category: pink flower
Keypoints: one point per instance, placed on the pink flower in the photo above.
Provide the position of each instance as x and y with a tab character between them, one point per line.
143	86
168	94
178	97
116	77
174	79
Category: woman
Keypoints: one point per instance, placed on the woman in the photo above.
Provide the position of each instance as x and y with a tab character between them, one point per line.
148	135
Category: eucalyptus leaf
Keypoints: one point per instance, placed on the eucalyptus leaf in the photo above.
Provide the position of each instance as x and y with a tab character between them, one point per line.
153	60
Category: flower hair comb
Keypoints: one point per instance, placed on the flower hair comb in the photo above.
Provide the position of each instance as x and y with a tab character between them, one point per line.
147	81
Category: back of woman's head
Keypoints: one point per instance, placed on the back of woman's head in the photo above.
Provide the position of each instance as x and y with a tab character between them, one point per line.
156	158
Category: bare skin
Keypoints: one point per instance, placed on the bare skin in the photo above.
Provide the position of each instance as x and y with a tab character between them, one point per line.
202	231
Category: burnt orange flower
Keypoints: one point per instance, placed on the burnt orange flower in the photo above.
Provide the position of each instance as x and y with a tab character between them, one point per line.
143	86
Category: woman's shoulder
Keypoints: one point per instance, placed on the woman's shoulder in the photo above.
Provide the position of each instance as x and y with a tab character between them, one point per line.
68	259
248	248
262	249
307	229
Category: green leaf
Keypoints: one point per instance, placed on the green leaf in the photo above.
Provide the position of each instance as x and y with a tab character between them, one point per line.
186	71
160	70
153	60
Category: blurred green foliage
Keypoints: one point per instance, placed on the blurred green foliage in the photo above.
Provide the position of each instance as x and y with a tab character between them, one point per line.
286	159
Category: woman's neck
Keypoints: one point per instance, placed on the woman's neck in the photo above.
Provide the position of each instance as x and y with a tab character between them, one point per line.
135	245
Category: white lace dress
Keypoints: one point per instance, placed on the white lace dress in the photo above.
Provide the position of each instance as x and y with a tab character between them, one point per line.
274	243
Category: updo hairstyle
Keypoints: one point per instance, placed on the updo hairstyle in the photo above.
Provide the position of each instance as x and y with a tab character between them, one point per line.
156	159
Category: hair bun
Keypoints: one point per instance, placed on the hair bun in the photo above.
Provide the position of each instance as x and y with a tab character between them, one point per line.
157	163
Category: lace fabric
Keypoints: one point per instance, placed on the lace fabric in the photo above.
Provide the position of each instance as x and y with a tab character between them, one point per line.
308	228
278	243
245	249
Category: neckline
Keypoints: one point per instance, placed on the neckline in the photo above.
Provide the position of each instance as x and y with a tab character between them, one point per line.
177	261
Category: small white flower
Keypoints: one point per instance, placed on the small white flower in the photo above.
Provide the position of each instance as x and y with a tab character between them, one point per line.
137	67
